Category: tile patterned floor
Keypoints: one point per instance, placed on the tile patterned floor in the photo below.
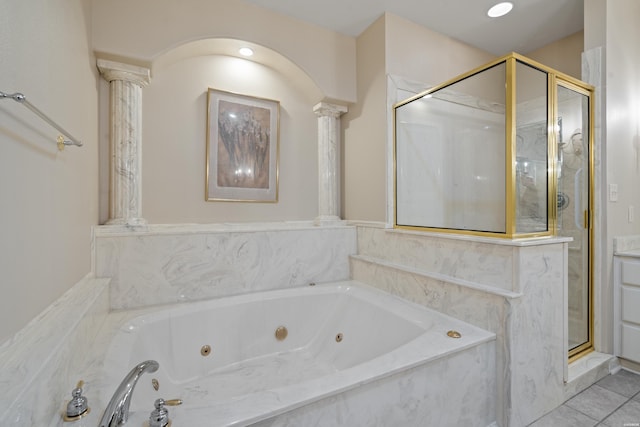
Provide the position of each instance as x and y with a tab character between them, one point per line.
614	401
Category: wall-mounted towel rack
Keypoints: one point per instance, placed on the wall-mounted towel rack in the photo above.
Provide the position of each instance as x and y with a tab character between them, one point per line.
62	142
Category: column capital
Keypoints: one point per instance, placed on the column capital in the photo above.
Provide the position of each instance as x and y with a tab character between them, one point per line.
112	70
323	109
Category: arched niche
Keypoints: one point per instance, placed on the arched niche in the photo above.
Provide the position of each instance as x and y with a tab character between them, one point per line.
172	84
145	30
229	47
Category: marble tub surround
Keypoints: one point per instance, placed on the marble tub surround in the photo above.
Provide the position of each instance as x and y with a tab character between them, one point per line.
158	264
413	399
42	363
485	262
512	288
417	383
417	398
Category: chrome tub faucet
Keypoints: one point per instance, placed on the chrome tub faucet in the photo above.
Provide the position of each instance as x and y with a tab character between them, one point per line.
117	411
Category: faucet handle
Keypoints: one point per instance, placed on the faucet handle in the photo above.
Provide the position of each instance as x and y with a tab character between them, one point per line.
78	406
160	416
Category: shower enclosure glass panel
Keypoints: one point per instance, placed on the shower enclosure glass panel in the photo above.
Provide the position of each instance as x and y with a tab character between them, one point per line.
531	149
573	207
450	171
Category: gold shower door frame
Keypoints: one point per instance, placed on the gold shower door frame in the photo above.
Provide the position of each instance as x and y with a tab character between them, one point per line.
587	91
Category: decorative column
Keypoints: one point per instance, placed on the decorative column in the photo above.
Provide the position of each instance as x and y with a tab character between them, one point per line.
328	161
125	137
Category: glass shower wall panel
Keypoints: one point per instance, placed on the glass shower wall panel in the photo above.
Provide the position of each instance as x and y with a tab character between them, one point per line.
420	166
531	149
450	156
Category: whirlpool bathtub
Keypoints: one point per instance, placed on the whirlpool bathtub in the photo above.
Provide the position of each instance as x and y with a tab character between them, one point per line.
332	354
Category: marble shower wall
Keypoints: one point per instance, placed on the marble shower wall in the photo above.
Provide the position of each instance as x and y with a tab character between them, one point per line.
512	288
159	264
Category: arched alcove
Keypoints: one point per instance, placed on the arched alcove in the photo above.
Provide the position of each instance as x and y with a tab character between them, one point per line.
144	31
174	132
266	56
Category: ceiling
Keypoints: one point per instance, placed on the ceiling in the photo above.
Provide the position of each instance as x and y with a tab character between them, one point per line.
530	25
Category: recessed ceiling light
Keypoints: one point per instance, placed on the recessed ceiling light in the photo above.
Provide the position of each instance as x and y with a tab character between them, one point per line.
500	9
245	51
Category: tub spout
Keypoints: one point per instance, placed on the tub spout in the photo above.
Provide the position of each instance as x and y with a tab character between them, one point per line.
117	411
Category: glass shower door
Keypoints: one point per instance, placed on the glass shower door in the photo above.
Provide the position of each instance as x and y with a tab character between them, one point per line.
573	209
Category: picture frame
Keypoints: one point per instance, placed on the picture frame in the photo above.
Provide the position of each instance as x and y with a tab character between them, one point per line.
243	140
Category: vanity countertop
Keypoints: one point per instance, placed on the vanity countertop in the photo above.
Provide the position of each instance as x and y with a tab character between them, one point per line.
635	253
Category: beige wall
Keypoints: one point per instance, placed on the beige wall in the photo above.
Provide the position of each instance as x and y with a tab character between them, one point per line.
174	142
420	54
365	130
189	46
328	57
565	55
49	199
623	113
595	25
390	46
615	29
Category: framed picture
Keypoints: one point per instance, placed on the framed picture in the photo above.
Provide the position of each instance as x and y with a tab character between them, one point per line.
242	148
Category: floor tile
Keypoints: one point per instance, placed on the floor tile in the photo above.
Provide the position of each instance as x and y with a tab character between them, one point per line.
596	402
564	416
624	382
627	416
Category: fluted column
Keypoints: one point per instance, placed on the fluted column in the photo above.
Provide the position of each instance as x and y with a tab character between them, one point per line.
328	161
125	136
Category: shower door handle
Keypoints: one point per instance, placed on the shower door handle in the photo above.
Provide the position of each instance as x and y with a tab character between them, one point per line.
578	214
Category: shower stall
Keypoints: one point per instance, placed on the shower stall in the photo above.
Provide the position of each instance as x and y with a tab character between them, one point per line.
504	151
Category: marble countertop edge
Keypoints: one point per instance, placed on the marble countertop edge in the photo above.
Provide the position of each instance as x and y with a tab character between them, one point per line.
635	253
442	277
168	229
517	242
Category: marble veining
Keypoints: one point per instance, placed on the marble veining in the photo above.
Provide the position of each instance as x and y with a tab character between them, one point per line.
416	399
125	92
624	244
39	363
438	276
489	311
537	337
452	260
527	356
514	289
165	265
328	160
